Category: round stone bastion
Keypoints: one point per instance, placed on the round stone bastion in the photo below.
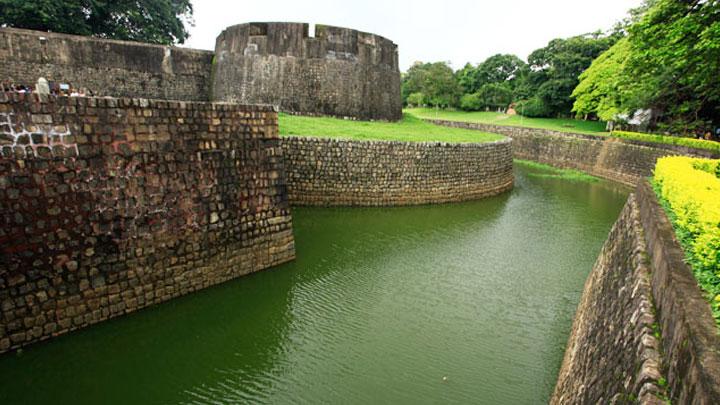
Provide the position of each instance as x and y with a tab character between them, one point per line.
336	71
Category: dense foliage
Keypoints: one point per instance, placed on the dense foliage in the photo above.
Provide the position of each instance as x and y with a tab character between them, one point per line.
670	140
432	84
154	21
542	87
670	62
554	71
689	189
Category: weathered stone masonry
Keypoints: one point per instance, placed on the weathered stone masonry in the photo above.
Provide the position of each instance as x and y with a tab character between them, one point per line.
615	159
339	71
640	285
327	172
612	355
111	205
106	67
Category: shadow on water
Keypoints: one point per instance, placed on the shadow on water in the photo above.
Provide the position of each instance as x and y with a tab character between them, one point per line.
380	305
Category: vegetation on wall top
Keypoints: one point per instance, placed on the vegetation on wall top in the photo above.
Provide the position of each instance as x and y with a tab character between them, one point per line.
153	21
688	189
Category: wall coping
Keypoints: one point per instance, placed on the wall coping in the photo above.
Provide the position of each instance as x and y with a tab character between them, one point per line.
107	101
322	139
608	138
690	338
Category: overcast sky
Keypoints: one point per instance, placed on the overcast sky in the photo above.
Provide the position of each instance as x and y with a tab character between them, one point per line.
457	31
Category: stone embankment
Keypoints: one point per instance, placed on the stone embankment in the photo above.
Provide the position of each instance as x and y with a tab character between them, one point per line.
620	160
643	331
111	205
327	172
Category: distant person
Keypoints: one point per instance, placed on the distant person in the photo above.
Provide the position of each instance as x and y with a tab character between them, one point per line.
42	86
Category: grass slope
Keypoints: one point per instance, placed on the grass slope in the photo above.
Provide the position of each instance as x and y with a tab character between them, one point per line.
410	129
547	171
556	124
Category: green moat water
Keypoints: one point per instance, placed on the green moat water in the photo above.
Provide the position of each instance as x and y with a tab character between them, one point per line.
379	306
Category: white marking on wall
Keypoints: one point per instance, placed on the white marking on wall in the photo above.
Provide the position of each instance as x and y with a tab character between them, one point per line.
36	137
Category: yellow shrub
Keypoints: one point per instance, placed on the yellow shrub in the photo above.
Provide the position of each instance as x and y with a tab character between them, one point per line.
690	189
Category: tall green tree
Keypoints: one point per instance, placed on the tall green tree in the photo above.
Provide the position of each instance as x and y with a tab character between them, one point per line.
154	21
440	86
671	64
554	70
497	69
435	81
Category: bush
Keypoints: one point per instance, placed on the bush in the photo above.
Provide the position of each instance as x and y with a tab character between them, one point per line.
689	188
416	99
670	140
533	108
471	102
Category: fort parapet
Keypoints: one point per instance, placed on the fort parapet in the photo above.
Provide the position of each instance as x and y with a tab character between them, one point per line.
338	71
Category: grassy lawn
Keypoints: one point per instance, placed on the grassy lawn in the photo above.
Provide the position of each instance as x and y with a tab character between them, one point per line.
410	128
556	124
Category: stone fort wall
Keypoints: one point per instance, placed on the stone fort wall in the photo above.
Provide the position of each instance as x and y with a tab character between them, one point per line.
642	332
106	67
111	205
615	159
331	172
339	71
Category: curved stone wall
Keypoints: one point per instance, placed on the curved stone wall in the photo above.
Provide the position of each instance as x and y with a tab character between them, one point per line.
615	159
331	172
339	71
643	331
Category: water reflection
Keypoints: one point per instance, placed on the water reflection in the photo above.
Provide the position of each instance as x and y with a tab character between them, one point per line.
380	305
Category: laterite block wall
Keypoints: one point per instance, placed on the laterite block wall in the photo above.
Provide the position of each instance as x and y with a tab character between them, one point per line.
111	205
611	158
106	67
322	171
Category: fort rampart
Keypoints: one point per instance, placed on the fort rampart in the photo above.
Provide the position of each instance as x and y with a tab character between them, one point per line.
338	71
111	205
105	67
620	160
643	331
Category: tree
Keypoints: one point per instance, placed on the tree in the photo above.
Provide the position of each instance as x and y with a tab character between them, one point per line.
554	70
670	62
500	68
495	95
154	21
602	85
416	99
413	80
440	86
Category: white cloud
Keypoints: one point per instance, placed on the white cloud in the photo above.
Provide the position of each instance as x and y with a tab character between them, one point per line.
458	31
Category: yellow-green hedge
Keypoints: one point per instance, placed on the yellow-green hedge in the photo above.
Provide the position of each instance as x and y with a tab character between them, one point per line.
689	188
670	140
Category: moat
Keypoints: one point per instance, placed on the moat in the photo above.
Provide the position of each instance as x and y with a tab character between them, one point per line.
456	303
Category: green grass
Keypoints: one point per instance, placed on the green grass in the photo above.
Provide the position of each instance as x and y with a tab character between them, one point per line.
555	124
547	171
410	129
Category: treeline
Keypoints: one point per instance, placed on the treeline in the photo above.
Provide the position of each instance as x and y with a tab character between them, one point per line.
662	60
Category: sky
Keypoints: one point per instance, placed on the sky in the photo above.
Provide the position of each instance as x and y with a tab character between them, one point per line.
457	31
